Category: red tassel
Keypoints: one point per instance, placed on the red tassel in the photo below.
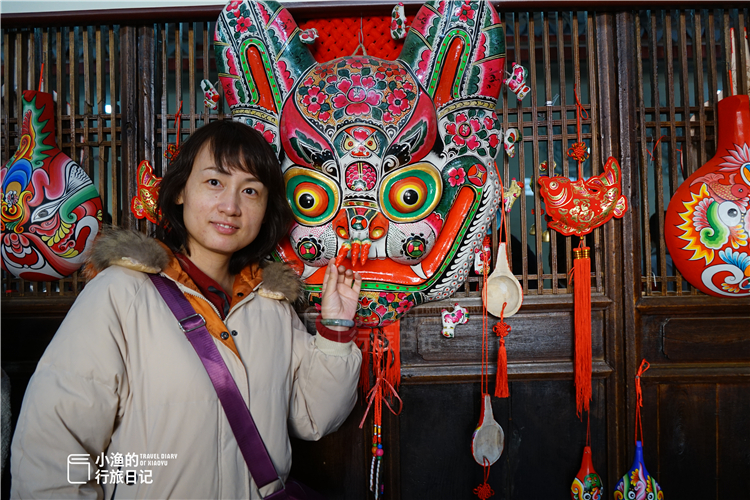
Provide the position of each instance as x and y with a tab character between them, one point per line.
582	316
502	329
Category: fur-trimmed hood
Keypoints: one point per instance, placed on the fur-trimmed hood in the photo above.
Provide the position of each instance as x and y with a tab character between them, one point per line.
136	251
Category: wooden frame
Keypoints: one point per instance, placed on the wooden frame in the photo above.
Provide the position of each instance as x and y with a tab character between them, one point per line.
631	320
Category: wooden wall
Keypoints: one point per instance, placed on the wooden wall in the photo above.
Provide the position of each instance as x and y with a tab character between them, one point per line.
696	415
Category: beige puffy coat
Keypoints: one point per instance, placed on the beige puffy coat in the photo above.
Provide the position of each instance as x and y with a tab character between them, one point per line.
120	377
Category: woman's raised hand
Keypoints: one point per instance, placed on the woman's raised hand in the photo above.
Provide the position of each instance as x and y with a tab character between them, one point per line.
340	292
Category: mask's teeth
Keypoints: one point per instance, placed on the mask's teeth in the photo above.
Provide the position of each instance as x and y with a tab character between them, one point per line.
365	251
345	247
355	251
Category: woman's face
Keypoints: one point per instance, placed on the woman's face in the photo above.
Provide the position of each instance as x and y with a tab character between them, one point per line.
222	212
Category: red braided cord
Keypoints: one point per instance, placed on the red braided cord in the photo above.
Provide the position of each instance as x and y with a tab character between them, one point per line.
639	398
484	490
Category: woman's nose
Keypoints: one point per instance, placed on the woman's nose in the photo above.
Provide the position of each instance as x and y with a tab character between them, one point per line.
229	203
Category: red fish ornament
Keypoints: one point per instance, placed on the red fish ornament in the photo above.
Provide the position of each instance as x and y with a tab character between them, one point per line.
577	207
707	225
144	203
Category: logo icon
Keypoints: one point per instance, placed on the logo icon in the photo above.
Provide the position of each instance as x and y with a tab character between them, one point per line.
77	463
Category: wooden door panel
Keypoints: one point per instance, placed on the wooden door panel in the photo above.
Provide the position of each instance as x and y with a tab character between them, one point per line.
733	434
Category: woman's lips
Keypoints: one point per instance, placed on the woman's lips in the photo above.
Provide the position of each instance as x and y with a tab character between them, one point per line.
224	228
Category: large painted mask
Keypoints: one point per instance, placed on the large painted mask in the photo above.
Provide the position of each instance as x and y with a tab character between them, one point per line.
389	165
51	211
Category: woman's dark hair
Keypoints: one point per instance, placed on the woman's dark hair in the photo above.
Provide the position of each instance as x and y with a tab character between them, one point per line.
234	146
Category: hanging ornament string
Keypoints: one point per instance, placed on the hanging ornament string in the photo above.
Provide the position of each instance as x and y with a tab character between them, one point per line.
580	277
484	490
379	350
639	398
485	330
579	151
501	328
174	149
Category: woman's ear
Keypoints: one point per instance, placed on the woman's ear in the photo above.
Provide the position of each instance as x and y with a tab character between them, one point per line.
179	200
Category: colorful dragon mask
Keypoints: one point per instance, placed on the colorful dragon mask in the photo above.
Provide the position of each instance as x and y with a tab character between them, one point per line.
389	165
51	211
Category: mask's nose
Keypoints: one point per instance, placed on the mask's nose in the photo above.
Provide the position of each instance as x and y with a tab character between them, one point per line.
359	227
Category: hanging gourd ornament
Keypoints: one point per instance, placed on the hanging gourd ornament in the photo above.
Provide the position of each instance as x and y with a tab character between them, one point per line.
587	485
706	227
51	210
637	483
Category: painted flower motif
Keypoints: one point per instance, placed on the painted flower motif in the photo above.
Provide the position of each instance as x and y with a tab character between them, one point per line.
390	72
397	102
737	159
308	81
381	310
365	301
324	71
464	130
243	24
356	63
314	98
494	140
404	306
466	12
489	122
357	95
268	135
456	176
234	7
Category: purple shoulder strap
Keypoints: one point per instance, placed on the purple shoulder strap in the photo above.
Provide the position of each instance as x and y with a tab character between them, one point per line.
240	420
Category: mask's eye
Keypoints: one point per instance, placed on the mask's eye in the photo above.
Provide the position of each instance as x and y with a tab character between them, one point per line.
349	144
408	195
729	213
310	199
411	193
314	198
371	144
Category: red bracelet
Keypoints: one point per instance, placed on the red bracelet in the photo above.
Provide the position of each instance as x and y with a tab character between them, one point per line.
334	335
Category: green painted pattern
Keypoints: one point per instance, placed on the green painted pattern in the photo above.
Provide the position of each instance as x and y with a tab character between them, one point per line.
456	32
266	65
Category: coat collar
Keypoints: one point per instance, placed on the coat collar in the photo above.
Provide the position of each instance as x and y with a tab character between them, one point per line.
136	251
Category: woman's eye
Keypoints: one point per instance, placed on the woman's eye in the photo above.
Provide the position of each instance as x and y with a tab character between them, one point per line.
213	182
251	191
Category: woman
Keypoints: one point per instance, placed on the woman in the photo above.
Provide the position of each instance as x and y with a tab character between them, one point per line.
120	387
